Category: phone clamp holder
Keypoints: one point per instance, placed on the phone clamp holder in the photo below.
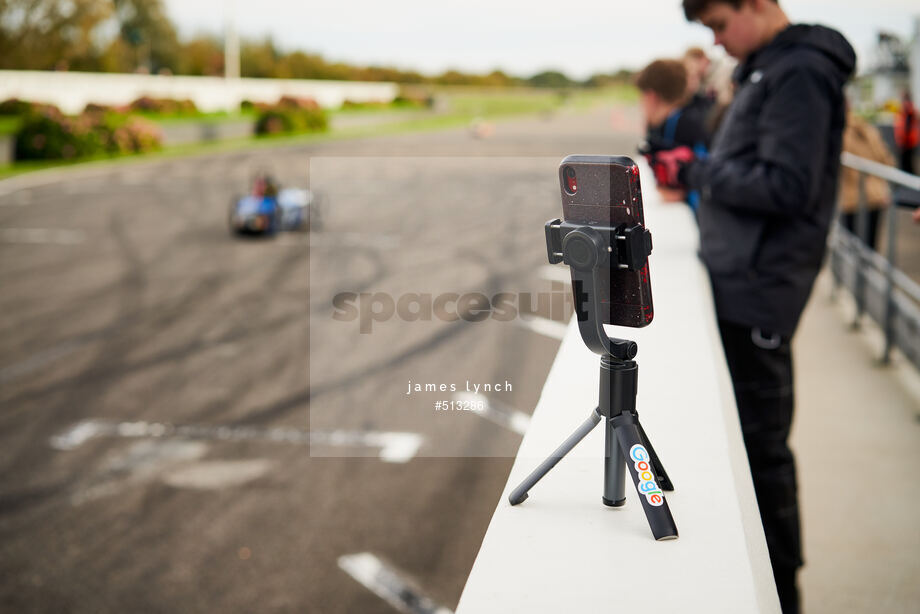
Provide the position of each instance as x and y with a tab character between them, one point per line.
590	252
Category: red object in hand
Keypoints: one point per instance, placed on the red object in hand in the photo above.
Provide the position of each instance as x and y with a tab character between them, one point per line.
906	127
666	165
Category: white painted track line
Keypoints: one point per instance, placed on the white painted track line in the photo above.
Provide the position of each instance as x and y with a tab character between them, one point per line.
388	584
497	412
555	272
395	447
544	326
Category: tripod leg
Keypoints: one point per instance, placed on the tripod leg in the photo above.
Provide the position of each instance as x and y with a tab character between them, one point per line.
639	466
520	493
660	473
614	470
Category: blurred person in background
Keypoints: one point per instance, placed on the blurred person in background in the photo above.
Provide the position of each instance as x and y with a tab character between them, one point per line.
862	139
768	192
907	133
697	64
717	79
675	120
708	85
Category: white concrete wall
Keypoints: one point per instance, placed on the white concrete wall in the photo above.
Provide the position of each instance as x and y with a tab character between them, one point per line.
562	550
71	91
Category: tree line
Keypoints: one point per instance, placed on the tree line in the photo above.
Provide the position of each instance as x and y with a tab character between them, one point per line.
138	36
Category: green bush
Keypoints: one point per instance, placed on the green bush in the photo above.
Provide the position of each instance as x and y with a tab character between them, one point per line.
164	106
286	120
131	135
46	135
274	122
50	135
14	106
292	102
95	107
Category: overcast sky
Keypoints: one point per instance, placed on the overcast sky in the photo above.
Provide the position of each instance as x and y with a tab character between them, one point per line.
522	37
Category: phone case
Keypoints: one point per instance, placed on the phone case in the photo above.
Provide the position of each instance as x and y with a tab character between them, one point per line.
607	193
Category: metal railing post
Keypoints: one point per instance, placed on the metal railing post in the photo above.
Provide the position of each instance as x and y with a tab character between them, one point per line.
898	296
836	258
862	231
835	247
890	307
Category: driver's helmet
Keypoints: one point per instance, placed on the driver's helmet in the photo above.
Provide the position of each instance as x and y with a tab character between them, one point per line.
264	185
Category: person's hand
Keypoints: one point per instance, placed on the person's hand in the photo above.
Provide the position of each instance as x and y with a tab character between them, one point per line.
916	216
672	195
667	164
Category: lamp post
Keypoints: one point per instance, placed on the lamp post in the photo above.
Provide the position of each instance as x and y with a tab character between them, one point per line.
231	43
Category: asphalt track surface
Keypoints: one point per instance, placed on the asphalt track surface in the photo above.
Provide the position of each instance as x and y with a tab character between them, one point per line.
185	428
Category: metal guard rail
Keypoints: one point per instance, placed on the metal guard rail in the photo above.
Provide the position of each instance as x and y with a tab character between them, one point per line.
879	288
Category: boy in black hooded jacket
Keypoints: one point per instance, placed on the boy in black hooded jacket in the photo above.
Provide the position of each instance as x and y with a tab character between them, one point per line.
768	190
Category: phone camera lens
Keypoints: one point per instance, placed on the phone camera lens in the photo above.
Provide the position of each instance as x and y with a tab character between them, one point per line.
571	184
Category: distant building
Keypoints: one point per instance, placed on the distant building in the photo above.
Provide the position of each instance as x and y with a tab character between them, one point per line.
889	70
913	60
892	67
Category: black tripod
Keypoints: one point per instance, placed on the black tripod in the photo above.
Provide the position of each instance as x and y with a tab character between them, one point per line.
590	251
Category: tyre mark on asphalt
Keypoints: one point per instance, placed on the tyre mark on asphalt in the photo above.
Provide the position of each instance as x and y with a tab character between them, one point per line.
379	271
135	279
42	236
17	500
302	399
97	379
123	326
104	372
86	390
44	358
88	301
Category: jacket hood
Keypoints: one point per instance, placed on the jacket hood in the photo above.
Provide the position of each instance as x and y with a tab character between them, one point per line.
828	42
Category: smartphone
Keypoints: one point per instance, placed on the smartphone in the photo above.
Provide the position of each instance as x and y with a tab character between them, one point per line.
604	191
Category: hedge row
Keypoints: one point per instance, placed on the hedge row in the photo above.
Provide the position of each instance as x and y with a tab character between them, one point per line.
47	134
14	106
146	104
165	106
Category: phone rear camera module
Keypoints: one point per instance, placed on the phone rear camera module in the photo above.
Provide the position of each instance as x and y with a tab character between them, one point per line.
571	184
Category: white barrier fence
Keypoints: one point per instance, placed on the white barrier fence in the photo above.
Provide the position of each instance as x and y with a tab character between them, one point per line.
72	91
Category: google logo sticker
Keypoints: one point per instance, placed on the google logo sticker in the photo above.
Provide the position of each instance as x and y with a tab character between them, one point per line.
646	485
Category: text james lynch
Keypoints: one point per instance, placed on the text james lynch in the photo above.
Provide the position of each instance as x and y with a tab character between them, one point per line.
470	387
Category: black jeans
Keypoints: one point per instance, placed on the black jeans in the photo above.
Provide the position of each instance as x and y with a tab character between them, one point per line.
907	160
761	371
851	222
